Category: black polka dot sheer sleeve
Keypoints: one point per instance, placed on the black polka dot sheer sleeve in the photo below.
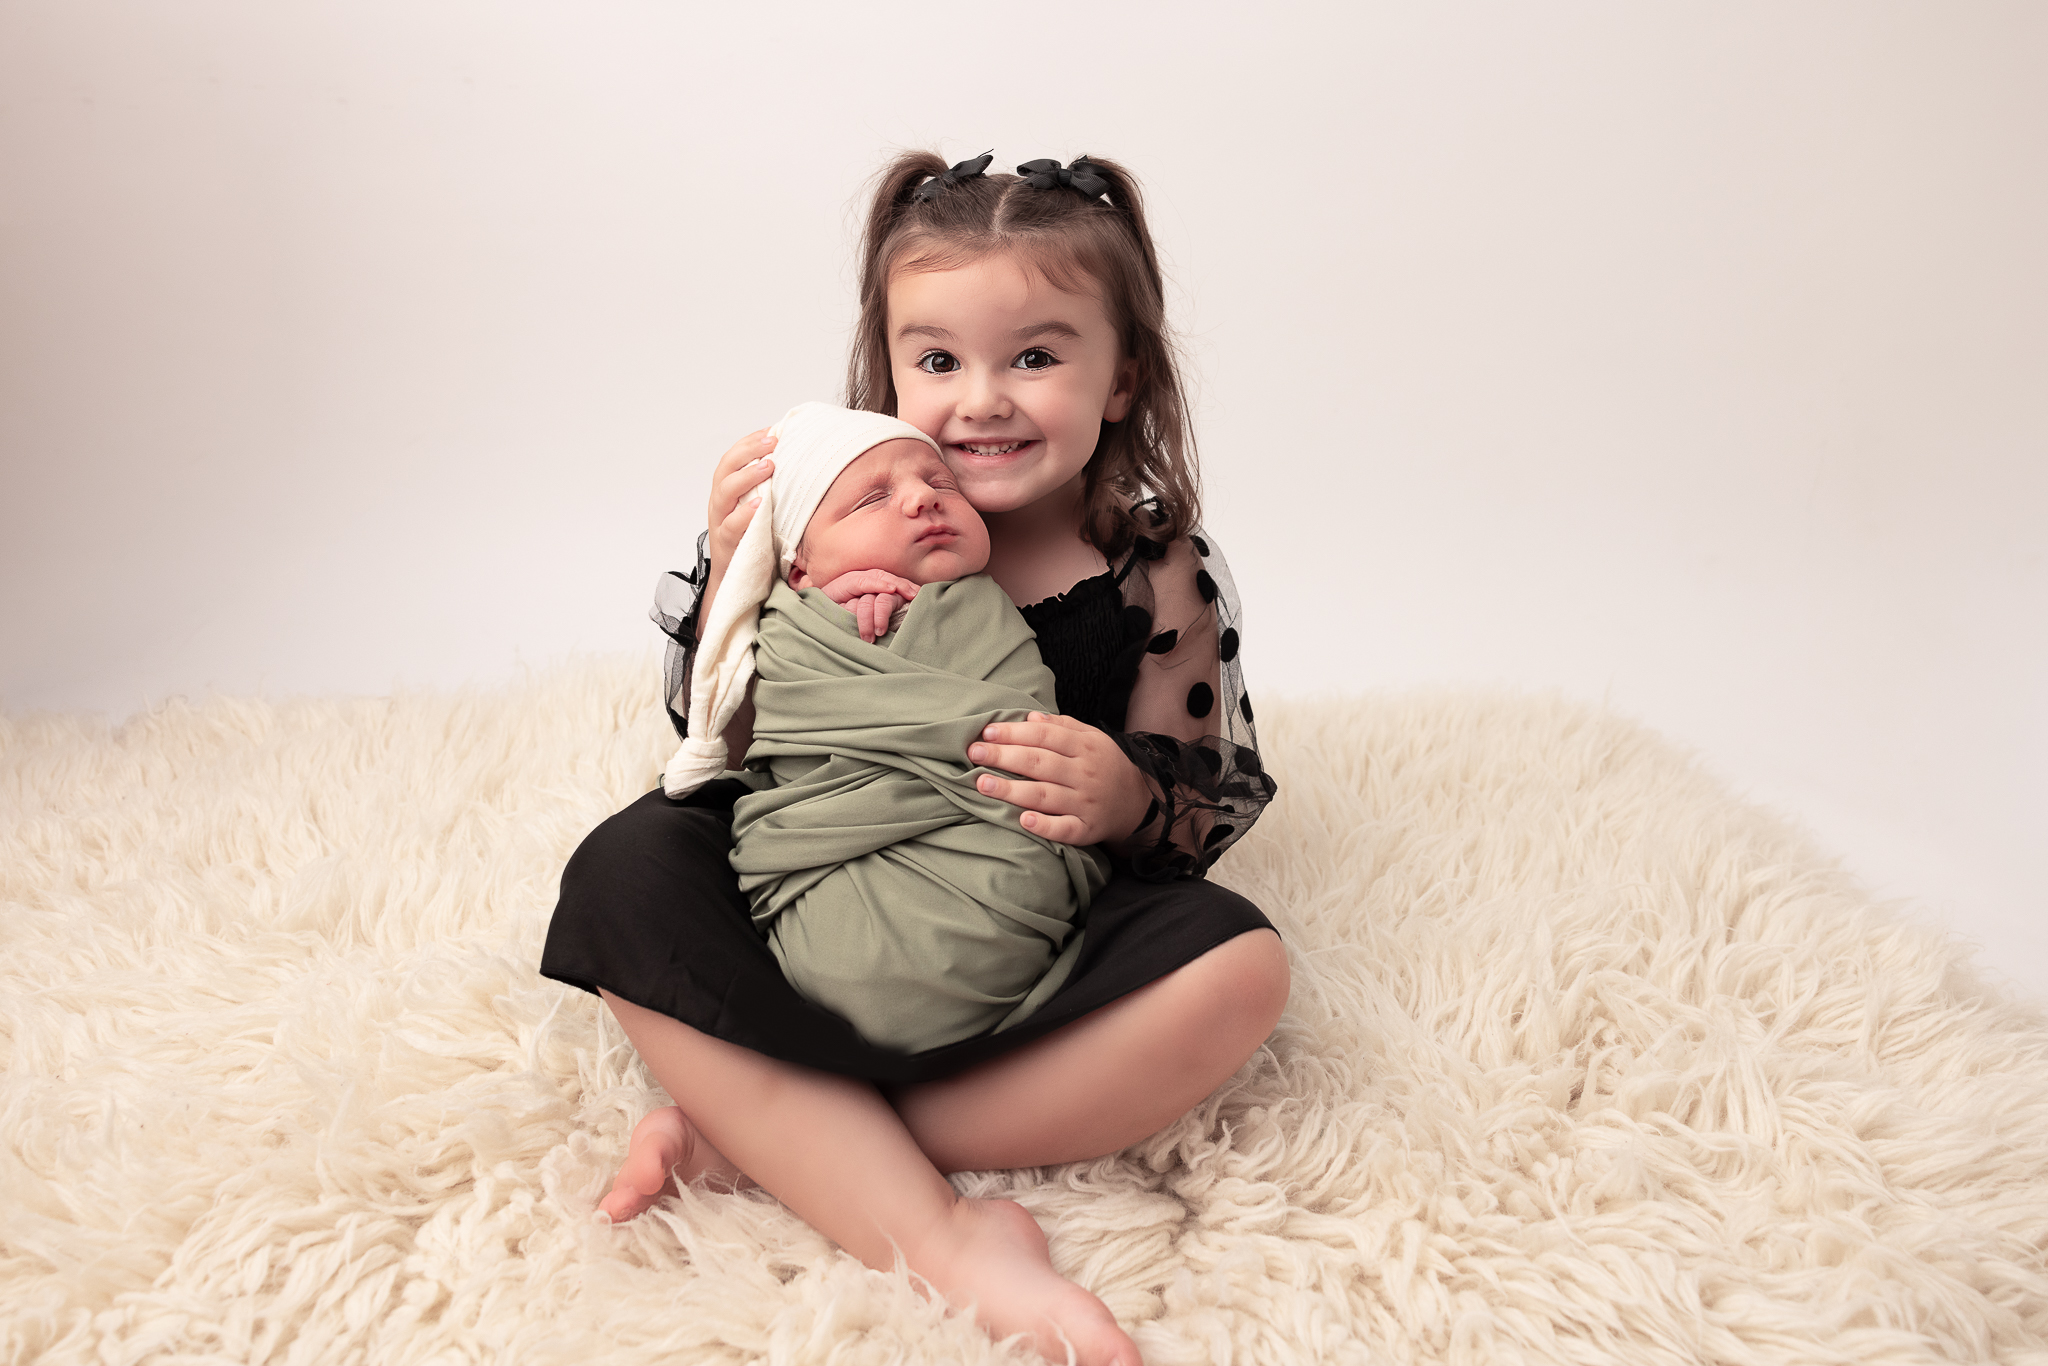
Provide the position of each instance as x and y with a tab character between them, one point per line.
1187	723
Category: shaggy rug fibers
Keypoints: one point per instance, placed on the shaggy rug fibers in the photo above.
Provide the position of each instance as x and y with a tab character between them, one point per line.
1586	1062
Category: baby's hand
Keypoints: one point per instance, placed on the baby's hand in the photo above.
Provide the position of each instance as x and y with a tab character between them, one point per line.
873	595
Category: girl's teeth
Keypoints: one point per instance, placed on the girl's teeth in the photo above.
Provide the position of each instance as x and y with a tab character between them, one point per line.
990	450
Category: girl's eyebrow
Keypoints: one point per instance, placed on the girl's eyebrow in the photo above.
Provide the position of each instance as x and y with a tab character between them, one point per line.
1046	329
1054	328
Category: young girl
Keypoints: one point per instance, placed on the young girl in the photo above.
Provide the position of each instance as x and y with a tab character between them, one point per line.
1018	321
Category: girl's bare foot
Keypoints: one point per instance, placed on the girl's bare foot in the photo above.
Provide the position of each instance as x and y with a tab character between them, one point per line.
992	1255
665	1148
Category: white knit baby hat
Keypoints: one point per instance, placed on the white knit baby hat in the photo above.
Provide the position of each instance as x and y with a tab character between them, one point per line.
814	442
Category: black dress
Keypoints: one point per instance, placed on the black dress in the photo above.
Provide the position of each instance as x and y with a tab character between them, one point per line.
650	909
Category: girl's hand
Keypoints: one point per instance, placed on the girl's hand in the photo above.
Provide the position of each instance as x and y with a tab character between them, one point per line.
740	471
1076	786
874	595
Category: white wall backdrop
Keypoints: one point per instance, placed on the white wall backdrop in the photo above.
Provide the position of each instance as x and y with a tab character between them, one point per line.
1690	358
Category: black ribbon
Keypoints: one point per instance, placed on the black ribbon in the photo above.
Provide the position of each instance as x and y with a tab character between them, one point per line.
953	175
1047	174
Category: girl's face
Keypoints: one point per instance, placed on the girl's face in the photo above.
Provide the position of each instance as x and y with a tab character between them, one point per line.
1012	377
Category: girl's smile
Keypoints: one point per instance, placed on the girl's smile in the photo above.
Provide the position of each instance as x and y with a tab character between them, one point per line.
984	457
1010	374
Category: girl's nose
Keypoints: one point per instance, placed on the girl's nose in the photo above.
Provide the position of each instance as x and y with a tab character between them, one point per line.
984	397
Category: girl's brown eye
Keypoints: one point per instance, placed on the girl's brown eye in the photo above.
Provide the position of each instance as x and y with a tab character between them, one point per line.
1037	358
937	363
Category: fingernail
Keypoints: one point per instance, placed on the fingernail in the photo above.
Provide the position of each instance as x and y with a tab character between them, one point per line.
985	783
976	753
988	732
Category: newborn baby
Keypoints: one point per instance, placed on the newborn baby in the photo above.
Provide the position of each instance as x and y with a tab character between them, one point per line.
890	890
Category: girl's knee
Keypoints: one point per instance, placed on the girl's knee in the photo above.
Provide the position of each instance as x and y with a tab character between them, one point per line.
1268	977
1247	978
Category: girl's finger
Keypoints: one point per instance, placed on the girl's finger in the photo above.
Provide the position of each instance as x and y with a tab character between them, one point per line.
1026	760
747	448
726	490
1036	734
750	474
729	489
735	522
1062	829
1047	798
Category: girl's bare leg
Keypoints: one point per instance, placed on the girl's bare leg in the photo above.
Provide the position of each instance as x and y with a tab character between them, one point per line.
1112	1077
833	1151
665	1148
1062	1098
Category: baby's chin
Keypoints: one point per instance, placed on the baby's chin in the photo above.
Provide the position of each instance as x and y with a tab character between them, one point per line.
946	566
940	567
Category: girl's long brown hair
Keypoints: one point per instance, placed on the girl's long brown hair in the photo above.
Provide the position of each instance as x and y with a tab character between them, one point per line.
1082	246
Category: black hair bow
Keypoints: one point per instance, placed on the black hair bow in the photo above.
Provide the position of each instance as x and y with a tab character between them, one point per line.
953	175
1081	177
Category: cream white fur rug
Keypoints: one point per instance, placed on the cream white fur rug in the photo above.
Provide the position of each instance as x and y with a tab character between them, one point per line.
1586	1062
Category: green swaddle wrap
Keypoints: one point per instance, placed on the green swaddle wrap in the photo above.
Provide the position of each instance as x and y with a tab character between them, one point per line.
891	891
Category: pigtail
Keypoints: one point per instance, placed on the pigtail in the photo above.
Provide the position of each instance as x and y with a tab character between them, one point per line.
1151	453
1123	196
869	386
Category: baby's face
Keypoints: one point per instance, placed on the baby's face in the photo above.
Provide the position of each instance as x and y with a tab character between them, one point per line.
896	508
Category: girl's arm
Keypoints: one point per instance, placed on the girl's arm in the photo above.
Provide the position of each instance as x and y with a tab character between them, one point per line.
1188	725
681	599
1183	782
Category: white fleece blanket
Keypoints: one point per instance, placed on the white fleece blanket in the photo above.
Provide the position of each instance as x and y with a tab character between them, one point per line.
1586	1062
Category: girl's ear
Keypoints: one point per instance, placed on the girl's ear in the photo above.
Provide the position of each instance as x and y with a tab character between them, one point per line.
796	577
1122	392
